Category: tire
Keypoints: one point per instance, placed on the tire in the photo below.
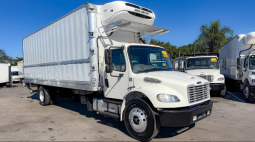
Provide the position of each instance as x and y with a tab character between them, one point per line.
140	120
247	93
43	96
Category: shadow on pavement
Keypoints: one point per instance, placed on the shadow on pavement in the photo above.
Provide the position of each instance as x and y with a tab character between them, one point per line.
235	96
73	105
166	132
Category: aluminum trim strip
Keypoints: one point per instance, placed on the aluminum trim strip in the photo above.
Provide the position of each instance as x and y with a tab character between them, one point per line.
79	85
80	61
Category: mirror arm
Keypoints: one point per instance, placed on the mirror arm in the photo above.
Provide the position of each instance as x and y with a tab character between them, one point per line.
120	75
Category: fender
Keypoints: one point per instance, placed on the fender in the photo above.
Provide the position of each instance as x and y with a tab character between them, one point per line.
151	93
249	78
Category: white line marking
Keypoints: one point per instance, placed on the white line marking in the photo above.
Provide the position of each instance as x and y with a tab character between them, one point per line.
235	96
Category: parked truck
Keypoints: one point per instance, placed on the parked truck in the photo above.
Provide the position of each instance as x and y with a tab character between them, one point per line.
15	73
5	75
100	53
204	65
237	58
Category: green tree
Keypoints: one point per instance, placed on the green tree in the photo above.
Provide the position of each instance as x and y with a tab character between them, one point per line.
14	62
3	57
213	36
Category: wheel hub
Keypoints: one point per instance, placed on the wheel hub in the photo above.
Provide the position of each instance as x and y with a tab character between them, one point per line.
41	95
138	119
246	91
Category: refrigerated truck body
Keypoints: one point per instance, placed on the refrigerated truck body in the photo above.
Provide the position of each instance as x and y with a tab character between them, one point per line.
100	53
5	75
237	59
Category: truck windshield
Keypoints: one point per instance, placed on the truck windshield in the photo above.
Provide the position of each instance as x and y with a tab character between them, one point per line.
15	73
252	62
202	63
147	59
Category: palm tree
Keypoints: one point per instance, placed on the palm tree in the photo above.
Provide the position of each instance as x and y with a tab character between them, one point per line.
214	36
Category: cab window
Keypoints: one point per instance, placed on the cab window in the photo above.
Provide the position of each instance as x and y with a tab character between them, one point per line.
118	60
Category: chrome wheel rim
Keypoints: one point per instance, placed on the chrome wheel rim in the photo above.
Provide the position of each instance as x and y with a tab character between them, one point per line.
137	119
41	95
246	92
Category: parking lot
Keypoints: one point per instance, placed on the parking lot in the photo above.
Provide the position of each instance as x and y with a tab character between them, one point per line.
23	119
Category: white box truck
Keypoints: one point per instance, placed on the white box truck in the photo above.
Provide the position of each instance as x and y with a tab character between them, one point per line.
100	53
15	73
237	58
204	65
5	75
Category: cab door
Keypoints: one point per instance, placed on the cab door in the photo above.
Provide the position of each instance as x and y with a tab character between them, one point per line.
245	69
116	82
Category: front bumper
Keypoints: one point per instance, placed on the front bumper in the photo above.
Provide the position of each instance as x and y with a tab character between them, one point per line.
178	118
217	86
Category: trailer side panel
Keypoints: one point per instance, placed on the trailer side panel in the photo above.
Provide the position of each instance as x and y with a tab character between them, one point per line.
58	54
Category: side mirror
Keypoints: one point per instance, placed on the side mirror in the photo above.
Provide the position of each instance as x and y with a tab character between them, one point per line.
108	69
108	57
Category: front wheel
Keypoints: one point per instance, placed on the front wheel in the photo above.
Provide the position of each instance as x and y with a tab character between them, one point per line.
140	121
247	93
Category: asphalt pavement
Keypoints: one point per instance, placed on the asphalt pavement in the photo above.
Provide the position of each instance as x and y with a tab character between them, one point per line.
23	119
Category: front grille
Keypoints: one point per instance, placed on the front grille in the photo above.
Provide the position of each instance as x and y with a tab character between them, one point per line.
198	93
207	77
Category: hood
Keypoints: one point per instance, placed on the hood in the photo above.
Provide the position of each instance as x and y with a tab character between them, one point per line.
198	72
173	78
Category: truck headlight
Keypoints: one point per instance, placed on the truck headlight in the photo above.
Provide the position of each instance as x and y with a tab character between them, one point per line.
167	98
221	79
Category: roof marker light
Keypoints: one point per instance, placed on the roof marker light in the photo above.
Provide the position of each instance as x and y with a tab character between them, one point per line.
129	42
152	44
140	42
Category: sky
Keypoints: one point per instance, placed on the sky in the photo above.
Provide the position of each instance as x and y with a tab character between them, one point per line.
183	18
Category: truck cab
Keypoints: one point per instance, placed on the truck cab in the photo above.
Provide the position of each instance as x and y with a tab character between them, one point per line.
248	75
15	74
205	66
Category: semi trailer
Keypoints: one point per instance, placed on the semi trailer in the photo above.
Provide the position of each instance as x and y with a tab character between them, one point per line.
204	65
237	59
100	53
5	75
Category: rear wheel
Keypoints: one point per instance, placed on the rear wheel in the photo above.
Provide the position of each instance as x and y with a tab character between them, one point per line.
140	121
43	96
